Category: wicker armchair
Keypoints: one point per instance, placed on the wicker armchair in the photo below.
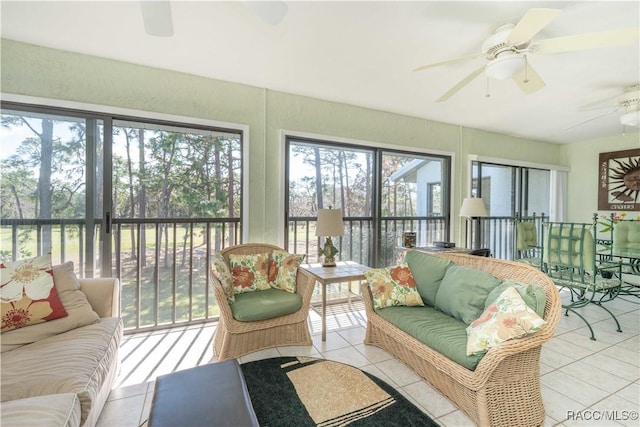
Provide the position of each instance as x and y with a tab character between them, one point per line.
233	338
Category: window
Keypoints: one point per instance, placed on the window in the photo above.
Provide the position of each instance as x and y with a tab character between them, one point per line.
508	191
144	200
382	193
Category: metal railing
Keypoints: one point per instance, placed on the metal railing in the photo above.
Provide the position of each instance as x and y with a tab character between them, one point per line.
357	242
498	234
163	264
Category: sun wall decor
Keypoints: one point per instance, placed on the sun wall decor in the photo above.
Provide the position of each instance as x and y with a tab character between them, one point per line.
619	181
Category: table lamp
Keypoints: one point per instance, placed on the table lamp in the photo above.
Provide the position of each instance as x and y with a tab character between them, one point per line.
329	224
474	208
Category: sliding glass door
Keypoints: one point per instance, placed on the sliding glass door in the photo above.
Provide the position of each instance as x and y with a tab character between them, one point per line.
508	192
146	201
382	194
52	188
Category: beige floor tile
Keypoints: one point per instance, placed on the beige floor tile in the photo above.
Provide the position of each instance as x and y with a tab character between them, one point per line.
617	409
400	373
627	356
333	342
122	412
372	353
455	419
558	405
574	388
348	355
613	366
599	378
631	393
375	371
430	399
259	355
298	350
569	347
128	391
553	358
354	336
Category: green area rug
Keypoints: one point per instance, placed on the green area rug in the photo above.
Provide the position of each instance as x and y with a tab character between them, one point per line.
303	391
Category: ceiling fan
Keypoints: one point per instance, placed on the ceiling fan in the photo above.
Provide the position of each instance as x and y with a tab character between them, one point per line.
157	19
508	49
628	103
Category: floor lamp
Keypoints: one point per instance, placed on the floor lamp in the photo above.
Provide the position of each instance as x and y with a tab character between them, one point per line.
473	209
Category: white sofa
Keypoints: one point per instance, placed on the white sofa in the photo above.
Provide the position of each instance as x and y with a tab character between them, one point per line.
61	372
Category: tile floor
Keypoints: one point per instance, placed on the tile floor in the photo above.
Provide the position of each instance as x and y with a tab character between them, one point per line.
584	382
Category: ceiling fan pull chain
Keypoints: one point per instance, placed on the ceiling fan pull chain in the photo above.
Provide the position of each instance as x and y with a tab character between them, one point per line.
487	94
526	69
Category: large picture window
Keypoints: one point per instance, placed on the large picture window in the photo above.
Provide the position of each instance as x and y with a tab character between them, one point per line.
145	200
382	194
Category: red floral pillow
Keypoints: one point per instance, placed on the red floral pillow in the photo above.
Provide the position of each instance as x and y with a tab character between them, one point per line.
393	286
27	293
249	272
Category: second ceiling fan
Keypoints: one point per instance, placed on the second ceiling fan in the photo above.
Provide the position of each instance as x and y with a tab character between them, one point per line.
507	50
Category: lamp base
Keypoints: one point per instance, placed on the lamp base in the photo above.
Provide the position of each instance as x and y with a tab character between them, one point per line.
329	262
329	251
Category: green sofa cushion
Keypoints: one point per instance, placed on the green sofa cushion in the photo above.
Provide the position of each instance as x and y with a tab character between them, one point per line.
428	271
532	295
262	305
463	292
443	333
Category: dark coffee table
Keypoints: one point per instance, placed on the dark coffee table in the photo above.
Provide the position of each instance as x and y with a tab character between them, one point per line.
210	395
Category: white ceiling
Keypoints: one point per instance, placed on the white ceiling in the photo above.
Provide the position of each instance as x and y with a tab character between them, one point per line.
363	53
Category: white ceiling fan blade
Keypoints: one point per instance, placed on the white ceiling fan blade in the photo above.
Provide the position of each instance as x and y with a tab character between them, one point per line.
531	23
156	15
450	61
592	119
528	80
585	41
270	11
461	84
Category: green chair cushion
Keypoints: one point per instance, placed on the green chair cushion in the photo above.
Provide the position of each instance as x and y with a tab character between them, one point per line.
428	271
443	333
463	292
263	305
532	295
526	235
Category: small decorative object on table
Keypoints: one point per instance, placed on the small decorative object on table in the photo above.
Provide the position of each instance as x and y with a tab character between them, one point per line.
409	239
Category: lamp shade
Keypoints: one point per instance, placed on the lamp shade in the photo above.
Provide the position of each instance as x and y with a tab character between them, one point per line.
473	207
330	223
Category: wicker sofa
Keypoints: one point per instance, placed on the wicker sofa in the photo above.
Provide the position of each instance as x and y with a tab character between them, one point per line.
504	387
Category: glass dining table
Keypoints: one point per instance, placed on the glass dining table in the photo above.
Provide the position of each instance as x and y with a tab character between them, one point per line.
630	260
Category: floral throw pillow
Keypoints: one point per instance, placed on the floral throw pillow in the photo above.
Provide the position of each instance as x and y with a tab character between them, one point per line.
283	269
28	295
220	270
393	286
249	272
506	318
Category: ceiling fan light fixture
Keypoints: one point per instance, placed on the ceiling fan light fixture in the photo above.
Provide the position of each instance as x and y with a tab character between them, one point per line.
631	118
505	66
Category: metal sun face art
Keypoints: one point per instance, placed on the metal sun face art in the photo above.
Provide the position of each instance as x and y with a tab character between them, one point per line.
619	181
